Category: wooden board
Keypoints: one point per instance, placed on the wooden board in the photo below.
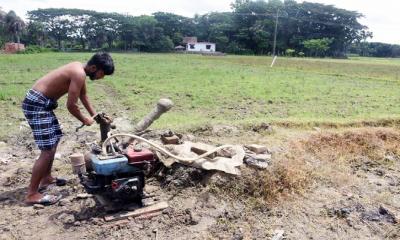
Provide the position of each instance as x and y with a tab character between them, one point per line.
138	212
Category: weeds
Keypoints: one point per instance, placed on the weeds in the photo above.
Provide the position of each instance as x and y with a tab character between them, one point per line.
374	144
327	158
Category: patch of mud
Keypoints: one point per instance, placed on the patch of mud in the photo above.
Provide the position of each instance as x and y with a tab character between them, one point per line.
180	176
123	124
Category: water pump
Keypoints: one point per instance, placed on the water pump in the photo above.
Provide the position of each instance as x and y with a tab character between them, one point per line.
119	174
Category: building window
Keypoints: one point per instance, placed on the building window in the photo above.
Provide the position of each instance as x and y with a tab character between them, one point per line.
208	47
191	46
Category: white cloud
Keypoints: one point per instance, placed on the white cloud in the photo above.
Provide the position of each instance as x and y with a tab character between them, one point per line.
380	16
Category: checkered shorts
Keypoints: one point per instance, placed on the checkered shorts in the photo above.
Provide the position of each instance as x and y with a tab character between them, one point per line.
38	110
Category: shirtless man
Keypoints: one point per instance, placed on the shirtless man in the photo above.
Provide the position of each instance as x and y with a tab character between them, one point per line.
38	106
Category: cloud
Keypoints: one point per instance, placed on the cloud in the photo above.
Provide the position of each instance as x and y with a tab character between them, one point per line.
380	16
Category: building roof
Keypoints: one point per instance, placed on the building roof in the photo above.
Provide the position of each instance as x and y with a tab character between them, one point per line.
206	42
189	40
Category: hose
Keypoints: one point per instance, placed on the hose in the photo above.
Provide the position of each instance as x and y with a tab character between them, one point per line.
160	149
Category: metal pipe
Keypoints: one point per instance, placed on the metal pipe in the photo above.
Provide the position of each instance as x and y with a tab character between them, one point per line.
163	105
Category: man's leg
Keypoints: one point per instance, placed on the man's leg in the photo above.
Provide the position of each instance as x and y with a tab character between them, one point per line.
39	170
47	178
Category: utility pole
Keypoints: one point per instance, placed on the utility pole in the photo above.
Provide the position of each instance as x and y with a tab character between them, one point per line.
276	32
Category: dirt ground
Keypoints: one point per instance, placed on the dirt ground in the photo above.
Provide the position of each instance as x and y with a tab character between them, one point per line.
321	184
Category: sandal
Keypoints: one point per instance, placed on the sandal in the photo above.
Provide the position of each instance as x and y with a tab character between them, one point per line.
46	200
58	182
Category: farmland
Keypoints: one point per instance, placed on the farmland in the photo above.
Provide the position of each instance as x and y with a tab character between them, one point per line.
331	126
236	90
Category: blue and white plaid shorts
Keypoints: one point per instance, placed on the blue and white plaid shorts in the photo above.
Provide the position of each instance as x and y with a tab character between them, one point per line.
38	110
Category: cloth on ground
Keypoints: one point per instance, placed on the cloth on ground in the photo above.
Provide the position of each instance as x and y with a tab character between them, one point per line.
228	163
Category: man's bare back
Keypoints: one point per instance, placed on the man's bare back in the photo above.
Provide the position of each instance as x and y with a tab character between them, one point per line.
57	82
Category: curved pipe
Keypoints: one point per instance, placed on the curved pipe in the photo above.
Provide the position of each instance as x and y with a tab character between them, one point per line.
160	149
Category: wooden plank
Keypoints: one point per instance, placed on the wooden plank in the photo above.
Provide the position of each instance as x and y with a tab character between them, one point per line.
148	215
153	208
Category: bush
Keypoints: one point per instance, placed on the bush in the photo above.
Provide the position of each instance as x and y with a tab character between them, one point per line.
32	49
290	52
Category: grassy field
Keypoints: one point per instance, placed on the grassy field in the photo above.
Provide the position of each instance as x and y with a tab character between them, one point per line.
232	90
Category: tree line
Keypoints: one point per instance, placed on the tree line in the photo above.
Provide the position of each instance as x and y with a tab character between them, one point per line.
300	29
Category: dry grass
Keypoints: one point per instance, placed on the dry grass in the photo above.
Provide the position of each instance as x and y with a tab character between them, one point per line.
375	144
323	158
286	176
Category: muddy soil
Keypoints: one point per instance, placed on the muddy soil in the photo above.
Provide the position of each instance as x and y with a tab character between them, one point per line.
350	200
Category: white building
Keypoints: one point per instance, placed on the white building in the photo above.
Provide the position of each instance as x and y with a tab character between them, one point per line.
200	47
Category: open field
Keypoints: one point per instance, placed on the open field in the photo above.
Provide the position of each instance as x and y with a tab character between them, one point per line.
231	90
332	127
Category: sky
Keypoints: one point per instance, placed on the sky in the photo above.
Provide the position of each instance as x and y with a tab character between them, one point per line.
380	16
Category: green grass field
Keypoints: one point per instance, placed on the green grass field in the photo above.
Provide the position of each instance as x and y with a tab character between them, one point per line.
232	90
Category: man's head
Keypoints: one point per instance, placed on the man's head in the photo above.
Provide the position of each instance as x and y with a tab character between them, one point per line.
99	65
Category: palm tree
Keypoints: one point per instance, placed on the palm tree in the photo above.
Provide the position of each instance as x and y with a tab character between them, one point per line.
14	25
2	27
2	19
2	15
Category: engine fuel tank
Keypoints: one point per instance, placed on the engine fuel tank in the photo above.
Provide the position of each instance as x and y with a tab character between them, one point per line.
111	165
140	157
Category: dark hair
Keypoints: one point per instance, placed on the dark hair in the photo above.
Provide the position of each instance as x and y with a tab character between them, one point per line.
103	61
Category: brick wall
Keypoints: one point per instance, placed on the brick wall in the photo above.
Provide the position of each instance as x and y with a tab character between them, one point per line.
13	47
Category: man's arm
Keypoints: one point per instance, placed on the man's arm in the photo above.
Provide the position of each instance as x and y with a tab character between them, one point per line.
85	101
74	91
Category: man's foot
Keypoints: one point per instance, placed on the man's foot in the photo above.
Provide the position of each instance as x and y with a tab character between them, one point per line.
45	200
54	181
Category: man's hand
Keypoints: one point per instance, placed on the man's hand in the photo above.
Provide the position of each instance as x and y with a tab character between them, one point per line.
88	121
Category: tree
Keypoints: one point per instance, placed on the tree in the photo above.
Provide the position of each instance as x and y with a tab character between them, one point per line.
14	26
174	26
317	47
215	27
36	34
2	27
149	36
56	23
248	29
2	16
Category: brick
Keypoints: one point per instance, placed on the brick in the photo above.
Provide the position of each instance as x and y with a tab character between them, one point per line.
170	140
201	148
257	148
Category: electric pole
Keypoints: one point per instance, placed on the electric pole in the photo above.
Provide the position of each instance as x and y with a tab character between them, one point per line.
276	32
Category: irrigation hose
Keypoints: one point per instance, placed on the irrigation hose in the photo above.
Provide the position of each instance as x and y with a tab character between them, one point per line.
161	149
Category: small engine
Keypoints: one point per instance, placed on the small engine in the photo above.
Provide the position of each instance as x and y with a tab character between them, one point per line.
119	175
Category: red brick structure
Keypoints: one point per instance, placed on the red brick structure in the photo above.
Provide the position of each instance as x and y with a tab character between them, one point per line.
13	47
